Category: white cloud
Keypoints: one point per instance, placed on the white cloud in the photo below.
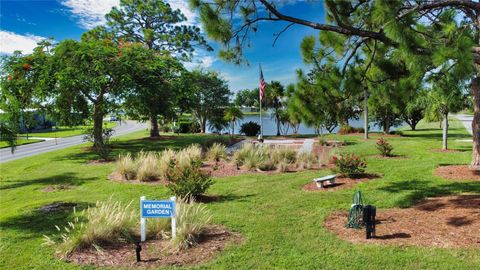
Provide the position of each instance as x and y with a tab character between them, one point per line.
90	13
204	61
10	42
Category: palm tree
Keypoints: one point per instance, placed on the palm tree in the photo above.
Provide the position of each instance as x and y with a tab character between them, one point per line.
275	92
232	115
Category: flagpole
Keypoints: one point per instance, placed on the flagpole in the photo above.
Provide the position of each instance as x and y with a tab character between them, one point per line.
261	100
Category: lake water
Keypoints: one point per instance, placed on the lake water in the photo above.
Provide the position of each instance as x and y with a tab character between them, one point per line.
270	127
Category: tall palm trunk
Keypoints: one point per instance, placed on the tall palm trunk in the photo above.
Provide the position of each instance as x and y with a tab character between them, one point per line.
445	132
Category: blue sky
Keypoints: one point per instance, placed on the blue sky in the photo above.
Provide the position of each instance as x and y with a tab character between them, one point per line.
23	23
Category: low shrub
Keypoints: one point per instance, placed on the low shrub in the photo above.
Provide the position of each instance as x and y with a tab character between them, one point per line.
107	223
349	129
384	147
148	166
192	220
349	165
217	152
126	167
188	181
250	129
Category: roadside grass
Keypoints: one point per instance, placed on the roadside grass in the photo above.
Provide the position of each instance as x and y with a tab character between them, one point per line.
64	131
20	141
282	225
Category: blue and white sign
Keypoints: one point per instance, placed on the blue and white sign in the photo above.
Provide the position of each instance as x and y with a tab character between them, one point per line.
157	209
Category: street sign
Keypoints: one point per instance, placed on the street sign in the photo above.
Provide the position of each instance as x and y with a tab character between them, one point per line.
157	209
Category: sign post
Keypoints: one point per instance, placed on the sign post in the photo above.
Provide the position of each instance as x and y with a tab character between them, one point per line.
156	209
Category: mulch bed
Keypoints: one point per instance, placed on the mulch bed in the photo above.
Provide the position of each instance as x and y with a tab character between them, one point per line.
340	183
449	221
118	178
390	157
53	188
457	172
56	206
156	253
100	161
446	151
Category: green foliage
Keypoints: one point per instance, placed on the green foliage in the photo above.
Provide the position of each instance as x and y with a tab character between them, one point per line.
349	129
187	181
250	129
384	147
349	165
232	115
248	98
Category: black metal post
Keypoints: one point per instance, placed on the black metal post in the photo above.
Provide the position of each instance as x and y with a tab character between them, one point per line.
138	249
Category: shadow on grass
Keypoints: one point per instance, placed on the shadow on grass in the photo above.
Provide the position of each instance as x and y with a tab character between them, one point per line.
417	190
64	178
223	198
134	146
38	222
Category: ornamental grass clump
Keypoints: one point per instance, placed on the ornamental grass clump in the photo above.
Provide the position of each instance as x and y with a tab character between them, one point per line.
349	165
243	153
217	152
306	160
192	220
148	166
108	223
190	156
165	160
284	155
126	167
384	147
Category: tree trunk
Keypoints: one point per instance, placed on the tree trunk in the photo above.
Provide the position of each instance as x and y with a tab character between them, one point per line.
203	124
366	113
278	124
154	126
476	124
445	132
386	126
97	124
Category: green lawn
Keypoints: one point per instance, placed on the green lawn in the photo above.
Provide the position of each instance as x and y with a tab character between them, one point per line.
65	131
4	144
282	225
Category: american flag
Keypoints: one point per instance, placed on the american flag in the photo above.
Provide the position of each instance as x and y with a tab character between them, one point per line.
262	85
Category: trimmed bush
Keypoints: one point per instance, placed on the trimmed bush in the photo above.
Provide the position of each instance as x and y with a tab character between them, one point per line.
250	129
349	165
349	129
384	147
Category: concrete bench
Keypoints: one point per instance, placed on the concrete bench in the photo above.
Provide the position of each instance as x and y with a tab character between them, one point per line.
322	181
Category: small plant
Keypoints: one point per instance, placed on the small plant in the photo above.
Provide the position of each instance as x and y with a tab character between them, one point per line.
349	165
188	181
217	152
164	162
384	147
192	220
306	160
126	167
148	166
107	223
322	141
250	129
284	155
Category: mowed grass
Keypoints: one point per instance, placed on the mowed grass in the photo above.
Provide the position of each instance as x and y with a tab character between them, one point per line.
282	225
20	141
65	131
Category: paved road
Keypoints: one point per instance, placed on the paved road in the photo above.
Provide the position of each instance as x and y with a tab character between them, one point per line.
50	145
466	121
